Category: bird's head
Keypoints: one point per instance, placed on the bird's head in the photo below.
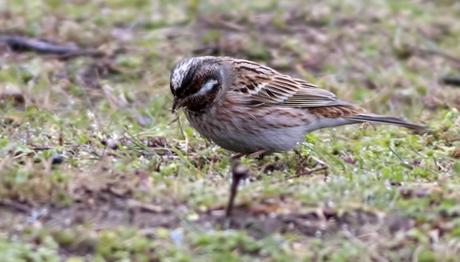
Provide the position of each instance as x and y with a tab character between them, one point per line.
196	83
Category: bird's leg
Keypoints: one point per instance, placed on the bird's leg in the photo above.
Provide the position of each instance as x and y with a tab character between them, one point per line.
239	172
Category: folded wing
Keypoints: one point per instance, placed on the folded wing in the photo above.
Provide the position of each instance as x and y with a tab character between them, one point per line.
261	85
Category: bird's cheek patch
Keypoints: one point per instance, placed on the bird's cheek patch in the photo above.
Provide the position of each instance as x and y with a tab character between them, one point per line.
208	86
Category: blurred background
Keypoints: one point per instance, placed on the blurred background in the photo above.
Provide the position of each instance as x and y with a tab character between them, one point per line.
92	165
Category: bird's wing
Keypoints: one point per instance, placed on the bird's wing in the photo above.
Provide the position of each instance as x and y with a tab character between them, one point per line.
260	85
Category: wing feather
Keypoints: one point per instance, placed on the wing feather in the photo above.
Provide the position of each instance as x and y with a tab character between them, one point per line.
264	86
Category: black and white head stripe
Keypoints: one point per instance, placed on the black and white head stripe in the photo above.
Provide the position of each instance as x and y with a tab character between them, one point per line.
185	69
180	71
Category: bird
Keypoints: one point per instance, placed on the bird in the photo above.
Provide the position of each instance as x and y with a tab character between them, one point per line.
249	108
252	109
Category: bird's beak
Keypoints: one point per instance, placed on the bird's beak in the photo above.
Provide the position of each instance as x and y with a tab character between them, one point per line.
177	103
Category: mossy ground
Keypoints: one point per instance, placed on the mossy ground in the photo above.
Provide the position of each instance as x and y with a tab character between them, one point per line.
93	168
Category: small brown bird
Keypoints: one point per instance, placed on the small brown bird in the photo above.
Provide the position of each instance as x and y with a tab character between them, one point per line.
246	107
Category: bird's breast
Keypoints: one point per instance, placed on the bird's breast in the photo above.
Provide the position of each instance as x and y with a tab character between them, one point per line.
247	130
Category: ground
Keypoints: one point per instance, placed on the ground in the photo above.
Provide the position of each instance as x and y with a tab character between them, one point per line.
94	167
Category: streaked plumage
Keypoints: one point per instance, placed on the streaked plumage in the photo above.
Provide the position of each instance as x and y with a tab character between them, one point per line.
246	107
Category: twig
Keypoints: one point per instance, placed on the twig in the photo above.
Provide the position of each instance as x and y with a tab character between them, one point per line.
133	204
451	80
20	44
174	120
40	148
220	23
439	53
14	205
403	162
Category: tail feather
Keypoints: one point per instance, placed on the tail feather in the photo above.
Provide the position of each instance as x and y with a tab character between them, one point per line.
387	120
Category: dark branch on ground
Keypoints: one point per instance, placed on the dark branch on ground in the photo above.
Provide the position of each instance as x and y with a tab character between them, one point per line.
451	80
23	44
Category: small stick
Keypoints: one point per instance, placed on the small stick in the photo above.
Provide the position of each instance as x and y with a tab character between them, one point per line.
239	172
451	80
14	205
21	43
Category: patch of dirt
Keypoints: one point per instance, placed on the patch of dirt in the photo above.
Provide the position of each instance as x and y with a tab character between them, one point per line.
100	214
258	219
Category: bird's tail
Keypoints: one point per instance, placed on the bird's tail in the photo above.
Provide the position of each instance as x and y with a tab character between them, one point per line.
388	120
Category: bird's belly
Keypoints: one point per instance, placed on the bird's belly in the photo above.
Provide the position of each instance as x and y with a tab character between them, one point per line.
244	140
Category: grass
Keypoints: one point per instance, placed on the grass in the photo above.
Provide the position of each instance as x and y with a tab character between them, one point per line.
93	168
